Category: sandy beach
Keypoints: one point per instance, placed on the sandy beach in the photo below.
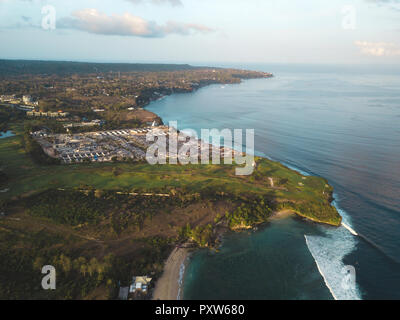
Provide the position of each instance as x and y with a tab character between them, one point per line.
281	215
168	287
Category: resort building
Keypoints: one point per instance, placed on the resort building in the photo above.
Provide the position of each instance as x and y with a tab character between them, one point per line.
140	284
47	114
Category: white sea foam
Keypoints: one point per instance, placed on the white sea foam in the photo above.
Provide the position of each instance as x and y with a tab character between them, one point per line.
180	280
304	173
346	221
321	271
328	252
352	231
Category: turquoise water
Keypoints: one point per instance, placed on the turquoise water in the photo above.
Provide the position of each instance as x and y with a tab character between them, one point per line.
6	134
251	265
342	124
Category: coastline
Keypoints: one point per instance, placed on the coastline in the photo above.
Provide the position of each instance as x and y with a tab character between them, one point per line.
278	215
265	75
169	285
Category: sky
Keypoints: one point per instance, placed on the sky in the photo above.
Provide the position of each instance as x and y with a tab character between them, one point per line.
202	31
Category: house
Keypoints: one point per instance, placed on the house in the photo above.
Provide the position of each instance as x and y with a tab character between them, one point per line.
140	284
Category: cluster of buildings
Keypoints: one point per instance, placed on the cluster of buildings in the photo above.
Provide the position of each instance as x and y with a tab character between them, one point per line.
92	123
100	146
123	144
58	114
26	100
139	286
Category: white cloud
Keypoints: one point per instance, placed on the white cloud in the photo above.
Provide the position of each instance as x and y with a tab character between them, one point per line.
378	49
94	21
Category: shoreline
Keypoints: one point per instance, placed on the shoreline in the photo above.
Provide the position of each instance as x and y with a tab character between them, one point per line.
196	88
170	285
278	215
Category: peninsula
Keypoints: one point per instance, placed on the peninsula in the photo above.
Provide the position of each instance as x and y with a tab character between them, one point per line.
102	224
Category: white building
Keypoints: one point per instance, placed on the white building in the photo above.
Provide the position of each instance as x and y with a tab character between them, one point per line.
27	99
140	284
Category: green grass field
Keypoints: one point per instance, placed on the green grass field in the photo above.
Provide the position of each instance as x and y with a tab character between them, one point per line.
291	188
119	236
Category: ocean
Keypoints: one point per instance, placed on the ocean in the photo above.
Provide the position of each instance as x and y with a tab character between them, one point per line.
341	123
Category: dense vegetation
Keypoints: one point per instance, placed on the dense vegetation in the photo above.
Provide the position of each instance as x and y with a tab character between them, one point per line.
318	211
201	235
9	115
36	152
20	275
81	88
77	275
77	207
245	214
18	67
90	206
248	214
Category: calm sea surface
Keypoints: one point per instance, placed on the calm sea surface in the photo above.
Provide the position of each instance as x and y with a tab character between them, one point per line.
342	124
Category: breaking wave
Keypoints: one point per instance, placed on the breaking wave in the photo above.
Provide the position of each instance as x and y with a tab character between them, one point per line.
180	280
304	173
350	229
328	252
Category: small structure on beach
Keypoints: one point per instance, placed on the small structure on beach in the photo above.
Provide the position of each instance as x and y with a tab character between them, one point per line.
140	284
